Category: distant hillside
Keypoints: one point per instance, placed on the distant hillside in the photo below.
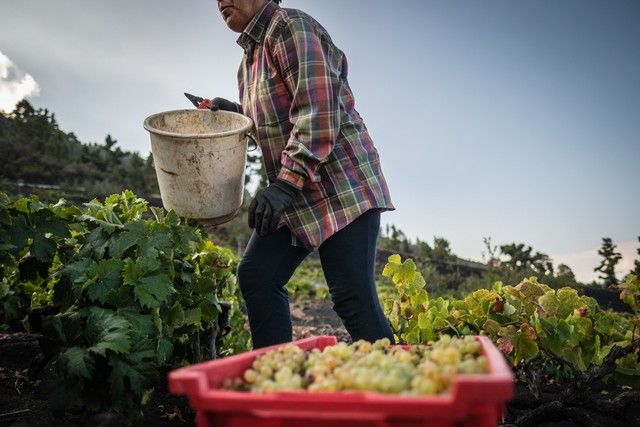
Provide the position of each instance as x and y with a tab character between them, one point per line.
34	150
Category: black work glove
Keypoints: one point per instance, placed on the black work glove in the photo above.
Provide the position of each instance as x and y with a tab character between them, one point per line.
269	205
225	105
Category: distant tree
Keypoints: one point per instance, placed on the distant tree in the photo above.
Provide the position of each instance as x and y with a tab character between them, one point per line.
441	256
109	142
441	249
610	257
490	255
423	248
522	257
565	275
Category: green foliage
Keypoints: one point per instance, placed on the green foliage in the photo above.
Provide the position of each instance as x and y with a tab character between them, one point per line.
31	234
527	322
631	296
223	262
409	314
136	288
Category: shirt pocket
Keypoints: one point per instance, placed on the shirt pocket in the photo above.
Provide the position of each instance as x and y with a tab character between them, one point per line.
272	102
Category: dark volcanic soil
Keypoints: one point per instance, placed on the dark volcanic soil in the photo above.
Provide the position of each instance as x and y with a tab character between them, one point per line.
316	317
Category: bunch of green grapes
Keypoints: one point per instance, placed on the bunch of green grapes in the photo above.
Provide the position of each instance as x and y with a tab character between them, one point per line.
363	366
281	369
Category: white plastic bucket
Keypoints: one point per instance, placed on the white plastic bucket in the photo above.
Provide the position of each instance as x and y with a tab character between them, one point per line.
200	158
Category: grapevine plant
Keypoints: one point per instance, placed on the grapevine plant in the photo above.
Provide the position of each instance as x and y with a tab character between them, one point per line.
31	234
527	322
135	290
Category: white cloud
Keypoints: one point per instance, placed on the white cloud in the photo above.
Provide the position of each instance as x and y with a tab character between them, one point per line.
583	263
15	85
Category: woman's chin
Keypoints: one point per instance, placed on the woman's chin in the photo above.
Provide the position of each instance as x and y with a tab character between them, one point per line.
234	24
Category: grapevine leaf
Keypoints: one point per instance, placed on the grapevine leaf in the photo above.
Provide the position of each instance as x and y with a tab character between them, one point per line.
47	223
193	316
121	297
135	270
423	321
530	289
144	297
62	210
78	362
187	236
413	336
568	300
98	240
164	350
176	316
152	290
19	232
106	330
497	287
565	332
392	264
526	347
576	358
552	336
106	275
550	304
499	318
159	241
63	328
418	281
405	273
479	302
203	285
42	248
209	311
134	373
583	326
132	234
491	327
611	324
76	271
590	351
141	323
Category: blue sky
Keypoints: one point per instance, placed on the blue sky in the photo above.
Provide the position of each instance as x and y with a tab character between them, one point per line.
515	120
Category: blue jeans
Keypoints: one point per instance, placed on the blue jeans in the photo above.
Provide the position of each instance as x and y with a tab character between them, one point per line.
348	262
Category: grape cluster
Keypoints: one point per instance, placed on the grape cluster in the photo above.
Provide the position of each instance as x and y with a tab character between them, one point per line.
364	366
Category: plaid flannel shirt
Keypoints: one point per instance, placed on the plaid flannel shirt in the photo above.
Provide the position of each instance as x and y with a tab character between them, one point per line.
293	84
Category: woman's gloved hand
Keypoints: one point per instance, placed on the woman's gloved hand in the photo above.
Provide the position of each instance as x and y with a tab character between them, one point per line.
224	104
268	206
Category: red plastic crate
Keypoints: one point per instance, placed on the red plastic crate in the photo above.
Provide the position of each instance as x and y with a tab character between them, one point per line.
474	400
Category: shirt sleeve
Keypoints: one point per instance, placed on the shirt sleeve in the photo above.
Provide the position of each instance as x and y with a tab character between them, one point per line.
304	59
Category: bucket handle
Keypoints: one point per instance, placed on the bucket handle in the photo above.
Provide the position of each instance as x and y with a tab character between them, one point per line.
252	138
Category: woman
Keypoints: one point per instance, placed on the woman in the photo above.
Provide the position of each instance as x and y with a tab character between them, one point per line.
326	188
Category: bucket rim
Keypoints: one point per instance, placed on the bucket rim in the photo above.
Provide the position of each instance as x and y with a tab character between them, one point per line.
246	128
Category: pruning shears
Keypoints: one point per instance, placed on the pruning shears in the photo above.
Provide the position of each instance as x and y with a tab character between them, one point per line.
199	102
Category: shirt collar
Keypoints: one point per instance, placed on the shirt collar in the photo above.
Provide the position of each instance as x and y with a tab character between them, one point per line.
254	32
